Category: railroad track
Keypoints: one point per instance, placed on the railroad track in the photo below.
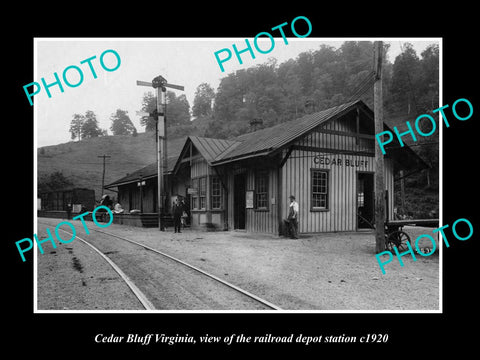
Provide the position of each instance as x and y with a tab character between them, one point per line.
147	303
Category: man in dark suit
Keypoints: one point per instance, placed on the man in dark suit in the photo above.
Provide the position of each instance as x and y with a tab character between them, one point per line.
177	216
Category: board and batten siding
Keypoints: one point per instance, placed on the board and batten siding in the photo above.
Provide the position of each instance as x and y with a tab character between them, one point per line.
263	221
229	201
199	168
341	214
129	196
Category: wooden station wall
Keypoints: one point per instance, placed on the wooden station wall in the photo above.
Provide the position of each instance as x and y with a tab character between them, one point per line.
343	147
334	148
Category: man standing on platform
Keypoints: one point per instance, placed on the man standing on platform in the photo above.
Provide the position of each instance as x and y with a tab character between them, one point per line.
293	218
177	216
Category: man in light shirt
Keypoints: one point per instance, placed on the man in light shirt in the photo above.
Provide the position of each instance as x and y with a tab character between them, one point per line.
293	217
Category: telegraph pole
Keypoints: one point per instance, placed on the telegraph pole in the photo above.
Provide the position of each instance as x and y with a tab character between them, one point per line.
379	163
160	84
103	174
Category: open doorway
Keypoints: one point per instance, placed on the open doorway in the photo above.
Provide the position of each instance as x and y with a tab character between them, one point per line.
239	185
365	200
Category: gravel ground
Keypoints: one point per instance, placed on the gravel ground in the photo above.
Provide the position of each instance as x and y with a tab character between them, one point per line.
167	284
74	277
331	271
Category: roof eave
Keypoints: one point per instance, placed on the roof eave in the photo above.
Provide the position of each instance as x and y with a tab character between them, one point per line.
242	157
148	177
120	183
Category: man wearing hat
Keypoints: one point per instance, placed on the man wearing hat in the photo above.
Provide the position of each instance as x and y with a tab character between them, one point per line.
293	217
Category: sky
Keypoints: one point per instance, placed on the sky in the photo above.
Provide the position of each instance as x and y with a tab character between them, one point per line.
183	61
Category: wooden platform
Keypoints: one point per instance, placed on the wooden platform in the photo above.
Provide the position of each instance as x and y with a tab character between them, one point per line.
415	222
137	219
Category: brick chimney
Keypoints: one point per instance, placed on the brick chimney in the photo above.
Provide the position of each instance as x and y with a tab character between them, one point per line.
256	124
309	106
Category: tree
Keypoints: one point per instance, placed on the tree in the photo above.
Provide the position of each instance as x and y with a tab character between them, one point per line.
90	126
53	181
428	100
202	110
149	104
76	126
202	103
121	123
291	85
356	55
405	78
324	77
429	84
229	98
178	109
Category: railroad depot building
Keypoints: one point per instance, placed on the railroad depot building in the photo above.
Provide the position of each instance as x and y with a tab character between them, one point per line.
325	159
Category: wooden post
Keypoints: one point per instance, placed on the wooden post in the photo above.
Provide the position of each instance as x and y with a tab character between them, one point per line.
161	127
379	161
160	84
103	173
141	194
402	190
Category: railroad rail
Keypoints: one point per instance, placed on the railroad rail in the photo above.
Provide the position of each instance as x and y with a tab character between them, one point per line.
138	293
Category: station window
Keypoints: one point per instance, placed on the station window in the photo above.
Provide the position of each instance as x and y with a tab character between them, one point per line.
319	193
194	198
202	192
261	190
216	191
198	199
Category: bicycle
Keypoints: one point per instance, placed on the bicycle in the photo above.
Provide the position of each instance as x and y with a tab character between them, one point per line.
394	236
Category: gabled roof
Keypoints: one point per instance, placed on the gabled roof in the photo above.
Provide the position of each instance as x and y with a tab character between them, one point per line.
264	141
211	148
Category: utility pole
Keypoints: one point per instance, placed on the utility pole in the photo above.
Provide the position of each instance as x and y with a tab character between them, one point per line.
103	174
379	162
160	84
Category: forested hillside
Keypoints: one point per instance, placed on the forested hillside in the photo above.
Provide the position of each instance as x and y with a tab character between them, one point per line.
268	94
272	93
323	78
80	164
